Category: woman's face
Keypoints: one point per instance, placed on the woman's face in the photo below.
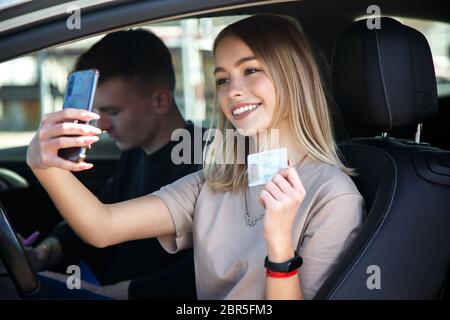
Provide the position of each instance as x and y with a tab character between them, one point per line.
245	93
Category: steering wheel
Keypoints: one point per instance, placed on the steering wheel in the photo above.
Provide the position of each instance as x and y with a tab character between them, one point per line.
15	261
11	180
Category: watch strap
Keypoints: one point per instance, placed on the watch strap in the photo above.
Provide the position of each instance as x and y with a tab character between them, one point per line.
287	266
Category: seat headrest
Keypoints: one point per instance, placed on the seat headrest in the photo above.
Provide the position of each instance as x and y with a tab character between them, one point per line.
383	78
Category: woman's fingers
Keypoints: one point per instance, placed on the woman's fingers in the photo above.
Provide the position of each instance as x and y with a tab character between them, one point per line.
69	165
61	123
58	131
68	142
275	191
282	183
69	115
67	128
289	183
292	177
266	199
261	201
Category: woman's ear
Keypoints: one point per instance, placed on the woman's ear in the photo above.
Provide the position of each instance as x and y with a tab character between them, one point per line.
161	100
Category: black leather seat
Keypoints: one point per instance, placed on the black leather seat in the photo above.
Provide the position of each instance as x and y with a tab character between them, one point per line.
383	79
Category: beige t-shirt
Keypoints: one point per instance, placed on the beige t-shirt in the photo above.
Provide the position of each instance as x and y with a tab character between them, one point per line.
229	255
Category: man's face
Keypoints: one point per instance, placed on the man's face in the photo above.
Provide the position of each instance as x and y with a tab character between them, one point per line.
126	115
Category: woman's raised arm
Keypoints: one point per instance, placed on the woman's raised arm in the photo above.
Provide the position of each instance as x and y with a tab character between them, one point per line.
96	223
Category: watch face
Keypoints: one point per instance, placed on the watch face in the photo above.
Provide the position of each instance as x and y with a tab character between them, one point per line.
295	263
290	265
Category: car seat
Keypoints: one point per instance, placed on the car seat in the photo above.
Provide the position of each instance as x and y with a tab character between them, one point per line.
383	79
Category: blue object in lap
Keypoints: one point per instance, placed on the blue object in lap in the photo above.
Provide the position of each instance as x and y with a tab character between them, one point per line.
87	274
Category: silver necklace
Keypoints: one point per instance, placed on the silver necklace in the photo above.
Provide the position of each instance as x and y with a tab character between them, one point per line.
253	221
249	220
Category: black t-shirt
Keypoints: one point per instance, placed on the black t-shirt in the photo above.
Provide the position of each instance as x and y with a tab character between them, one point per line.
138	174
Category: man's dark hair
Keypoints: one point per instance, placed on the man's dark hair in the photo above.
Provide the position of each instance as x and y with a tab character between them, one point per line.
135	55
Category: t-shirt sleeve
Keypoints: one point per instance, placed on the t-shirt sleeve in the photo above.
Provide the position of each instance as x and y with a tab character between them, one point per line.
180	198
332	227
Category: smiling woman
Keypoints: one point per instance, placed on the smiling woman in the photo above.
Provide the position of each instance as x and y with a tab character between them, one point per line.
232	231
312	210
269	81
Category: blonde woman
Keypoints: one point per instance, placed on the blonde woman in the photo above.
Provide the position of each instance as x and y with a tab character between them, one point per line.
249	243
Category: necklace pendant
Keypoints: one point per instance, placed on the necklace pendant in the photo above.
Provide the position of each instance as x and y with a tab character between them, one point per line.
252	221
249	221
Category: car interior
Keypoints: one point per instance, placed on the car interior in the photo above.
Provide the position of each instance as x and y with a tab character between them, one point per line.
391	110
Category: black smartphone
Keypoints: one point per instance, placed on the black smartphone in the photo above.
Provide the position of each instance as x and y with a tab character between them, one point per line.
80	92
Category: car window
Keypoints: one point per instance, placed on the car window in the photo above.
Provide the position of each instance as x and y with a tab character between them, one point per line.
438	36
34	85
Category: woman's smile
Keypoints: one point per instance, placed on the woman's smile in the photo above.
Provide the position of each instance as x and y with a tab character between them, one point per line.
242	110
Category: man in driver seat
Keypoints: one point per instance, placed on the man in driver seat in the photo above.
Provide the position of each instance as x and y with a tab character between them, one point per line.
135	99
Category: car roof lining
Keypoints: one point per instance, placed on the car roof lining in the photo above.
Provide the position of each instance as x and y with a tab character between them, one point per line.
50	32
114	16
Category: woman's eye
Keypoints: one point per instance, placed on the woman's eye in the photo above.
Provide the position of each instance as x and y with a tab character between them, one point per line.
221	81
250	71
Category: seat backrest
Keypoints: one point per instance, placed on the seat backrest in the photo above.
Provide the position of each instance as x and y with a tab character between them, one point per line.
383	79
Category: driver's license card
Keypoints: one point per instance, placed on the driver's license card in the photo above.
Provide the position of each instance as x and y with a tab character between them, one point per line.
261	167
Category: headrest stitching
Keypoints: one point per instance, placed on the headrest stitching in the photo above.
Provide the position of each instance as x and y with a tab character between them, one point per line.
386	96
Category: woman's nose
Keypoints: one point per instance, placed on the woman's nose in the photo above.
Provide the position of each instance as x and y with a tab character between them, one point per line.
235	89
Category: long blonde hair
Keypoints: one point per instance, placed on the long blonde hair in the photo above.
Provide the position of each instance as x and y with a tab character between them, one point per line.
283	51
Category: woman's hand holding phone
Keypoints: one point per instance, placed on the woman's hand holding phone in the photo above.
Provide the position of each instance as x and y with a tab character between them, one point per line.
57	131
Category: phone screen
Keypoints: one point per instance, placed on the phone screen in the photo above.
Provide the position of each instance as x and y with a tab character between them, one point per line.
80	91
